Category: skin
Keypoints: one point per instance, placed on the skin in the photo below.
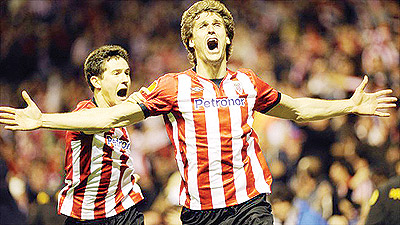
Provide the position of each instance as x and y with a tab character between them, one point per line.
115	77
210	64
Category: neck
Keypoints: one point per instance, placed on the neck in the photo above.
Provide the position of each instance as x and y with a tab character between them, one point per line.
100	101
211	70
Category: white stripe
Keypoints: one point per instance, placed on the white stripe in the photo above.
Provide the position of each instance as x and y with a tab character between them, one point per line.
260	183
68	203
93	182
112	188
214	147
237	144
178	156
185	107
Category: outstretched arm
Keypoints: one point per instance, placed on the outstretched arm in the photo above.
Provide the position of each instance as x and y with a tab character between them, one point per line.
92	120
310	109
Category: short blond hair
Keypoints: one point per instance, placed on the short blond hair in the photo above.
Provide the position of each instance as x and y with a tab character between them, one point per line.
190	15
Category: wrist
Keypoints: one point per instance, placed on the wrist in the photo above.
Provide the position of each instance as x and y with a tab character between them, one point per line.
350	106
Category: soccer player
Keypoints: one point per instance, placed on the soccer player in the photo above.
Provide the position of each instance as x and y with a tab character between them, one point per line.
100	184
209	113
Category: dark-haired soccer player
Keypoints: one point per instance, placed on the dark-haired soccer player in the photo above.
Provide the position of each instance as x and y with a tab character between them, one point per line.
209	114
100	182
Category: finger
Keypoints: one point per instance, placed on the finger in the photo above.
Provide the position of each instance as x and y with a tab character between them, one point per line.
363	84
8	109
14	128
383	92
385	106
387	99
27	98
7	116
135	99
145	90
381	114
8	122
138	96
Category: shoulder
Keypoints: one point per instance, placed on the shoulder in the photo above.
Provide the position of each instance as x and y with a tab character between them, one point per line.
169	80
246	71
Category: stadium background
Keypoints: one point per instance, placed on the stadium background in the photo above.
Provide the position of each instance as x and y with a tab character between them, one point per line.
307	48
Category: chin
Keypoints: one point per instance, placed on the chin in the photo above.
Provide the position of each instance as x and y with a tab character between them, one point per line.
215	60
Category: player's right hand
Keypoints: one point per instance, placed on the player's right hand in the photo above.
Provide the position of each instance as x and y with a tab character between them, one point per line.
137	97
29	118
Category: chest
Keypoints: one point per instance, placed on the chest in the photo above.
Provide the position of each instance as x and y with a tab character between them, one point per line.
201	95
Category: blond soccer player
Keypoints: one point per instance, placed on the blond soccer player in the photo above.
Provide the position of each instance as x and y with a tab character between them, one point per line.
208	112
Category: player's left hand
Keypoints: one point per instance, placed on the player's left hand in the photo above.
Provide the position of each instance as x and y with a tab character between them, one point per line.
371	103
29	118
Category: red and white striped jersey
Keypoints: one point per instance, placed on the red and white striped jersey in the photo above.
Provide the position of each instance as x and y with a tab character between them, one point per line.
99	174
216	148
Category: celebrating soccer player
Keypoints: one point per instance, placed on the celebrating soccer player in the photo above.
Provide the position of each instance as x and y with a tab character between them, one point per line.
209	113
100	181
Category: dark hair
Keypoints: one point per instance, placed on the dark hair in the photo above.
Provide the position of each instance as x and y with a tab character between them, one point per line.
95	62
190	15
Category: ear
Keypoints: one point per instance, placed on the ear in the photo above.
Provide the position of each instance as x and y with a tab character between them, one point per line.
95	82
191	43
228	41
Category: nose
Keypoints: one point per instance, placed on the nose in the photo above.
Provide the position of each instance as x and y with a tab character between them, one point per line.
126	78
210	29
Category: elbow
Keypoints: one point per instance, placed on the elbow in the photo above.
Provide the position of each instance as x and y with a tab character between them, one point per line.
300	119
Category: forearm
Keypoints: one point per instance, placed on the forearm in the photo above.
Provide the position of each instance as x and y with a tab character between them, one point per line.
96	119
310	109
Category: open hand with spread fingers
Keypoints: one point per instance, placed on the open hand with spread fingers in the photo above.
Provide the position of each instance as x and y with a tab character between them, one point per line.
29	118
371	103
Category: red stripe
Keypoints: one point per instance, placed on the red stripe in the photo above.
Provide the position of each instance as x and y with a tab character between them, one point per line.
261	160
84	168
67	168
227	156
135	196
119	195
203	176
182	147
250	182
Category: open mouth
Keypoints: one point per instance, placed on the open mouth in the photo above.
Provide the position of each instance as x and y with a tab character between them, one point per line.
122	92
212	43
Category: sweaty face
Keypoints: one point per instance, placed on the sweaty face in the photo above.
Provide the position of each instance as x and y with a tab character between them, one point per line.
115	82
209	38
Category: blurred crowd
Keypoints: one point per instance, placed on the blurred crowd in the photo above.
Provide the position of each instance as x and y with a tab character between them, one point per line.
314	48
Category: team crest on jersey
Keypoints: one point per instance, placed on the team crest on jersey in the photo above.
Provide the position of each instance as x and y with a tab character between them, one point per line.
238	87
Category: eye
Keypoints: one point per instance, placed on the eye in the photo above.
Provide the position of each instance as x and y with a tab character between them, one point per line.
218	24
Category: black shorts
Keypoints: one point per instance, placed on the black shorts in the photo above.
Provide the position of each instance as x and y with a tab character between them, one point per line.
256	211
130	216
